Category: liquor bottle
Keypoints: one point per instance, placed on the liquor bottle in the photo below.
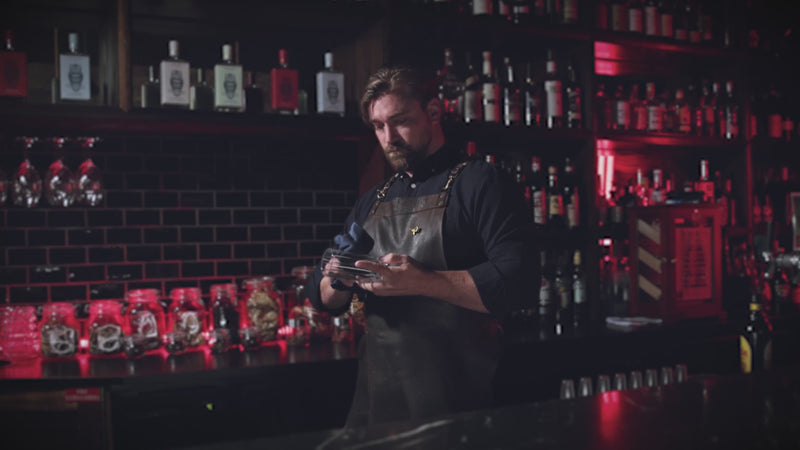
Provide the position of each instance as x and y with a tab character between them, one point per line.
228	88
563	289
74	74
669	122
755	342
538	185
601	14
13	70
331	97
605	108
655	122
473	103
174	76
692	23
534	99
710	101
284	86
681	22
570	12
635	16
641	189
554	92
683	113
619	15
657	194
555	11
696	108
151	90
570	195
579	294
490	90
253	95
451	89
667	18
512	96
771	115
638	109
652	18
574	95
547	285
622	109
555	200
201	95
729	113
705	184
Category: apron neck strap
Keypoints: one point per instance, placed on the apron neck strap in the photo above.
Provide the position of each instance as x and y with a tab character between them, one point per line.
381	194
444	195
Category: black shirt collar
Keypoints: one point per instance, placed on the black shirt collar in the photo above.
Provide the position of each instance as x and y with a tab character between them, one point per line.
443	159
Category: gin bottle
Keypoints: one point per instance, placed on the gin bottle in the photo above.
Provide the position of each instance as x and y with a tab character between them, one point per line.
174	75
227	83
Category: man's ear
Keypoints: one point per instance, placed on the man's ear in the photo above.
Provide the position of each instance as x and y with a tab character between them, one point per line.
434	110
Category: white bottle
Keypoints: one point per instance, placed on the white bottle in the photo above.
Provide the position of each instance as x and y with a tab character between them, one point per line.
174	76
228	83
330	89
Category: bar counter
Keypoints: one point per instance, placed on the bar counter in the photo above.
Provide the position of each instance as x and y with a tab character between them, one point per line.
199	397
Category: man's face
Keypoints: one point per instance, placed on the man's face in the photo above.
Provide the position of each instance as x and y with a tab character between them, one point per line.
403	129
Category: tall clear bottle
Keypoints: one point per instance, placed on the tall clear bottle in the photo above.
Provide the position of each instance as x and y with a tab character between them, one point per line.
451	89
174	75
729	113
13	70
73	81
572	207
330	89
534	99
490	90
512	96
284	86
228	91
574	94
473	103
554	92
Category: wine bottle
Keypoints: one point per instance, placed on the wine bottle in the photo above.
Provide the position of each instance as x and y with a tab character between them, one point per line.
284	86
554	92
174	75
490	90
451	89
512	96
538	185
74	73
13	70
227	83
574	95
534	103
330	89
571	196
473	105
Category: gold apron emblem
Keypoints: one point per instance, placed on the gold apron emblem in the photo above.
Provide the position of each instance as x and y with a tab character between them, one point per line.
415	231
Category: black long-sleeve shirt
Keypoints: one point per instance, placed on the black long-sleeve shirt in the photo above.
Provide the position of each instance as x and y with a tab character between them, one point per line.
485	229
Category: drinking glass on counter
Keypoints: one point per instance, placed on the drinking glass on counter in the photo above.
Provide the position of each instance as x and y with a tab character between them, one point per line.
26	185
19	340
90	190
60	187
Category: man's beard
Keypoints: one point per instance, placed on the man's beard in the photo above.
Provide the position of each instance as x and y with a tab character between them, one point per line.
403	158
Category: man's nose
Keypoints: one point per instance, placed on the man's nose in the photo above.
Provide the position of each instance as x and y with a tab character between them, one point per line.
390	135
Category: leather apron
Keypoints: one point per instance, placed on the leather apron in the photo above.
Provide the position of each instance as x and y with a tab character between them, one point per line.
420	357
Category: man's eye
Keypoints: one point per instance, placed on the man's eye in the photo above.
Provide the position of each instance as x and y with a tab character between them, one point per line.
377	126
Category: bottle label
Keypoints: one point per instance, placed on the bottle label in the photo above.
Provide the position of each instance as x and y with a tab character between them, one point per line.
573	211
579	292
564	295
174	83
710	119
533	110
75	78
228	86
480	7
545	299
555	101
14	74
473	109
635	20
640	118
651	20
654	118
619	17
284	89
556	205
666	25
512	107
731	123
491	104
684	120
539	207
775	126
745	355
330	92
623	114
570	11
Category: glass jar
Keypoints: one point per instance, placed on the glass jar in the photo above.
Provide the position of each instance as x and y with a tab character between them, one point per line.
187	315
225	314
59	330
296	333
358	315
263	307
342	330
105	327
300	276
18	333
145	318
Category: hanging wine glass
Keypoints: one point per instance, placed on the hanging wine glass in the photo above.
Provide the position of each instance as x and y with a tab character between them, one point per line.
26	186
90	180
59	182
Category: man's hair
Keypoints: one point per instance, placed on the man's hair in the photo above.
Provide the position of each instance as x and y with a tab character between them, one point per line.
402	80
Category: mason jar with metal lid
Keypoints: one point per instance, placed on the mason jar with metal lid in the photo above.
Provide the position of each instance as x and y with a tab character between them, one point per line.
59	330
187	315
145	318
263	307
225	314
106	327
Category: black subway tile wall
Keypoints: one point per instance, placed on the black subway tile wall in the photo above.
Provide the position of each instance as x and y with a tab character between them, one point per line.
179	211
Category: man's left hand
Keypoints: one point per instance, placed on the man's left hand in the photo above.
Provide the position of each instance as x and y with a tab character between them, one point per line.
399	275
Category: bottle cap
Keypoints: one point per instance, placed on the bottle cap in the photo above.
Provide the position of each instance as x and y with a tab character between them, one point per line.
73	42
173	48
227	52
10	40
755	306
329	60
283	57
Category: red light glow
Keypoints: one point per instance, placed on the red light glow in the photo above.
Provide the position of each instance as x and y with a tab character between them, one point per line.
611	426
605	167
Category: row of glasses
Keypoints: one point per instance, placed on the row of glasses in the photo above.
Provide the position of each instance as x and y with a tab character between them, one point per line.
621	381
60	186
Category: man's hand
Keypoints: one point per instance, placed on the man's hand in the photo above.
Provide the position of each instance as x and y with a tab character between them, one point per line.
399	275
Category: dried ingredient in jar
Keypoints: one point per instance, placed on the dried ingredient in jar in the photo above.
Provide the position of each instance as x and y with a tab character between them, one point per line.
358	314
189	323
144	324
263	310
58	339
342	330
105	338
